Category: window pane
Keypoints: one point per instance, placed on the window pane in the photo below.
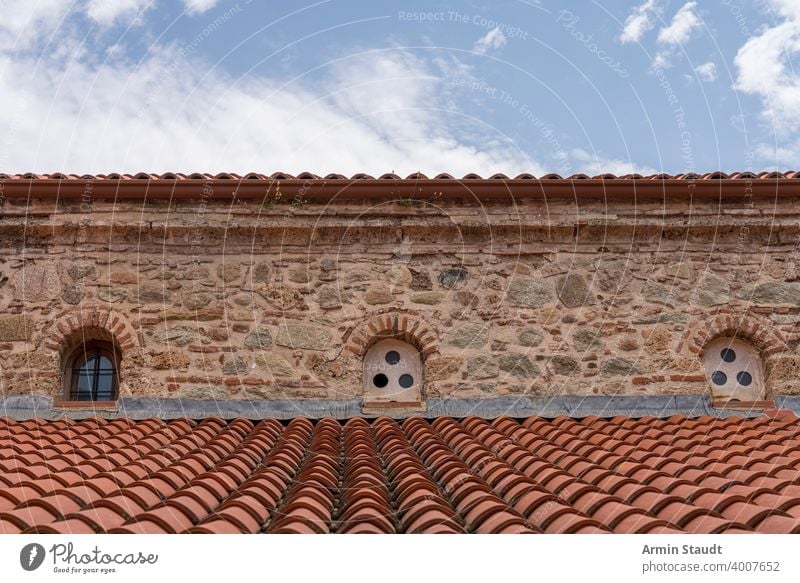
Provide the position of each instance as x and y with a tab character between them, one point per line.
88	365
85	380
94	379
105	382
105	364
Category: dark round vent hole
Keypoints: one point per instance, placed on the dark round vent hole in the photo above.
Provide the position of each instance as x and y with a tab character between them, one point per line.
717	377
380	380
744	378
406	380
392	357
728	355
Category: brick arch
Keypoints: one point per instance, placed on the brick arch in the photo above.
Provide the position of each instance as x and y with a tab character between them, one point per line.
107	322
760	331
400	325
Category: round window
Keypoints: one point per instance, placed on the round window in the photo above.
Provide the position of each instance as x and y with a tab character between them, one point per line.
393	372
734	370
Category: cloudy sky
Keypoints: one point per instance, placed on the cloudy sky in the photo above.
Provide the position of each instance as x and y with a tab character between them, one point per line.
93	86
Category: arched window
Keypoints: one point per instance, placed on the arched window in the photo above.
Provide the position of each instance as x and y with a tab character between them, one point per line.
735	371
392	372
92	372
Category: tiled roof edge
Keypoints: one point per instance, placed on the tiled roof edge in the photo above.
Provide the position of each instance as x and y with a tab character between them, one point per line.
716	175
27	407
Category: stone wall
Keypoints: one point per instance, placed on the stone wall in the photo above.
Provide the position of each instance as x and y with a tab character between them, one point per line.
254	301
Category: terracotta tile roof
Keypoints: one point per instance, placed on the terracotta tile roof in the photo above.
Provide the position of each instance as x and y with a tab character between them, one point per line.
718	175
562	475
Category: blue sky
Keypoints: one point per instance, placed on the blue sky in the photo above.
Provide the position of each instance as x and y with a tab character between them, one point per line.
333	86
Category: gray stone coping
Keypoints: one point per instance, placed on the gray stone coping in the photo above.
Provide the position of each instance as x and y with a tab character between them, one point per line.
27	407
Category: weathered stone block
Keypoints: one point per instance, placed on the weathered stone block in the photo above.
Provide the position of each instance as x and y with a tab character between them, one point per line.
420	280
82	271
518	365
482	367
530	337
304	336
378	295
229	272
259	338
299	275
680	270
205	392
613	279
261	272
784	367
466	299
587	338
177	335
18	327
169	360
124	277
328	297
36	283
442	367
563	365
772	293
658	293
526	292
430	298
193	300
711	290
469	336
399	277
281	297
618	366
236	365
151	292
659	339
573	291
275	364
454	278
112	294
73	294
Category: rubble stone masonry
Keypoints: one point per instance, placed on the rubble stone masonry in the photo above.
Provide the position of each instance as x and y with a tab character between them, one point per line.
219	298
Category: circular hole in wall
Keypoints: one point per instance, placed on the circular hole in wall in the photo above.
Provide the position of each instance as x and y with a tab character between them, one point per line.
744	378
392	357
380	380
728	355
719	378
406	381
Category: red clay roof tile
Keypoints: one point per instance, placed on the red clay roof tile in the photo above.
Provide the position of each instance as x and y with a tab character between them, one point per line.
558	475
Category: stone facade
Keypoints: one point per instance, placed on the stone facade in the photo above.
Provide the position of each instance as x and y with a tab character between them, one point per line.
217	298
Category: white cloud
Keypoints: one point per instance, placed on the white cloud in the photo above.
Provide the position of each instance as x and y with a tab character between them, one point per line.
678	32
592	163
707	72
107	12
639	21
24	20
198	6
683	24
381	111
376	112
662	60
491	41
765	68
